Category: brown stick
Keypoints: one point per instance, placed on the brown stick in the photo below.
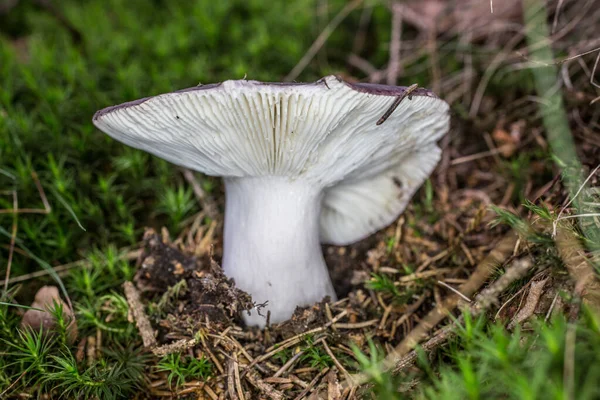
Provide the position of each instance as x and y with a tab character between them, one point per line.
533	298
206	202
396	103
265	388
312	384
141	320
395	44
13	237
231	379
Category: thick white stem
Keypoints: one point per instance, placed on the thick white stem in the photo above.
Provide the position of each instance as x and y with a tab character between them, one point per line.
271	244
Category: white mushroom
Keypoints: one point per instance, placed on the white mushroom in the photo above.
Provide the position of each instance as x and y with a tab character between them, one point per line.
303	164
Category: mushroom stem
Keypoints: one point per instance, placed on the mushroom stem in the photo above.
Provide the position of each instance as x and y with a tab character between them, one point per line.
271	244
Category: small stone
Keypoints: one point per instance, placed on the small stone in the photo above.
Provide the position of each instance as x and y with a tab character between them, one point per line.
45	298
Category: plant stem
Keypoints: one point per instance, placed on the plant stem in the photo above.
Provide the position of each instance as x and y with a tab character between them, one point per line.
554	116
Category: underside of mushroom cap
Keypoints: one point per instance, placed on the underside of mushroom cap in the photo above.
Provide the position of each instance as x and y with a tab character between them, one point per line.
323	132
354	210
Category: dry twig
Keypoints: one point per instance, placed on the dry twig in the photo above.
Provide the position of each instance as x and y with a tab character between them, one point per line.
535	292
141	320
263	387
206	202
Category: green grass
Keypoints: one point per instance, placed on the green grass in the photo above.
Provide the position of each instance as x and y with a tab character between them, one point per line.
46	363
181	368
484	361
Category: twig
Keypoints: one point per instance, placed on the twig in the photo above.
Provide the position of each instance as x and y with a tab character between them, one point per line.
141	320
396	103
579	216
422	275
553	112
393	69
412	308
236	373
363	23
46	210
362	64
231	379
556	14
510	299
276	348
535	292
13	236
457	292
288	364
489	296
265	388
335	360
490	71
357	325
432	50
175	347
594	71
207	204
297	381
312	384
321	39
13	384
131	255
333	386
409	359
483	154
210	392
211	355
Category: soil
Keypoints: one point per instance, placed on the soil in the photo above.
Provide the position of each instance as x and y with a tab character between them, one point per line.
210	295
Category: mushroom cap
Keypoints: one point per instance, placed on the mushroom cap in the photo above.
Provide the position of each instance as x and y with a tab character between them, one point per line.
324	132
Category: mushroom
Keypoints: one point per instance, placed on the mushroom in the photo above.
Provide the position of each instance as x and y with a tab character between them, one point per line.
303	164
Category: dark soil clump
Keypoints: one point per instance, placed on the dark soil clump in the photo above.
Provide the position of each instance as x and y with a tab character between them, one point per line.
191	290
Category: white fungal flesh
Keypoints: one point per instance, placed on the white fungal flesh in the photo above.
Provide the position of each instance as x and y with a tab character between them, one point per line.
354	210
271	244
321	137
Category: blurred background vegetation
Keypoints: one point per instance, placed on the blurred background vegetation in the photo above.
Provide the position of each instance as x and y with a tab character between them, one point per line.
87	197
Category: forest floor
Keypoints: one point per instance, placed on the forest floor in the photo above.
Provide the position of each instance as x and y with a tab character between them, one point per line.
485	287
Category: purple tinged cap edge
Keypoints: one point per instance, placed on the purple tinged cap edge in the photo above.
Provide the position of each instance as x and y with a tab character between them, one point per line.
368	88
